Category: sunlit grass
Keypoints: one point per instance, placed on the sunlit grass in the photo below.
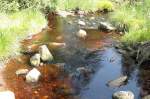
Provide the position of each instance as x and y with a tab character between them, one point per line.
14	27
86	5
135	17
104	5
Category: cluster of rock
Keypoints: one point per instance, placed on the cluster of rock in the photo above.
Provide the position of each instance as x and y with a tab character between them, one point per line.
120	94
43	55
34	74
36	60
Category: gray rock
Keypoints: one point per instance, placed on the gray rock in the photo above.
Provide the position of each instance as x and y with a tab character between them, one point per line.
64	13
35	60
22	71
81	33
84	72
104	26
7	95
117	82
81	23
33	76
45	53
146	97
123	95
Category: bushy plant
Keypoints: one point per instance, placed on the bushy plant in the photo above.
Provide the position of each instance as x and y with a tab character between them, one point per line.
7	6
16	5
105	5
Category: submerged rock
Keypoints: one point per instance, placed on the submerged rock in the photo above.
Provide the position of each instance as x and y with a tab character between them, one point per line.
81	33
54	45
64	13
146	97
22	71
117	82
45	53
33	76
104	26
123	95
35	60
81	23
83	73
7	95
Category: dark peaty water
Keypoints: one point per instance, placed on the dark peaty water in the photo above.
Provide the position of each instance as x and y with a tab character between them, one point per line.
106	62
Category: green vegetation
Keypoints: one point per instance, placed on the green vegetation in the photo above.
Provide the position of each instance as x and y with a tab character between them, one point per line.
16	26
135	17
105	5
44	5
86	5
17	5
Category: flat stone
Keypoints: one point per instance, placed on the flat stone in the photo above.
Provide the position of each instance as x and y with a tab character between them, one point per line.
146	97
22	71
64	13
104	26
7	95
81	23
33	76
117	82
123	95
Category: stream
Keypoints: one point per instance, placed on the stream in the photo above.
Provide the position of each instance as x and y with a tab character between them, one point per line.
96	52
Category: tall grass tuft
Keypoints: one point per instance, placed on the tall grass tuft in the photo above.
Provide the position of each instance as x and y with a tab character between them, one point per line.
136	18
14	27
86	5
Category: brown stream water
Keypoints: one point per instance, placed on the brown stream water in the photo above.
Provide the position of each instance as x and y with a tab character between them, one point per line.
57	84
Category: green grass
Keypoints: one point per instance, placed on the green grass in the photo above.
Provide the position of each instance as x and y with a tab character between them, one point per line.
104	5
136	18
86	5
15	27
44	5
9	6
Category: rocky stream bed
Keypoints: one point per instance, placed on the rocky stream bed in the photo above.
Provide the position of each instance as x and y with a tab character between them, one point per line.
73	58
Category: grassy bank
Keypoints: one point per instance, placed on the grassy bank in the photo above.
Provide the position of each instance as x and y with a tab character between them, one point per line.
136	19
86	5
16	26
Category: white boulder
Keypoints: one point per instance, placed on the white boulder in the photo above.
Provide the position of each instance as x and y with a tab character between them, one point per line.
7	95
81	23
123	95
45	53
22	71
35	60
33	76
81	33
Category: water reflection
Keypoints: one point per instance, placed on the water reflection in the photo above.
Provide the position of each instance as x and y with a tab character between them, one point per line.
104	64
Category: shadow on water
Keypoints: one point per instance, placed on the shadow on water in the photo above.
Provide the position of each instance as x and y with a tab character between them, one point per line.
104	62
111	69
